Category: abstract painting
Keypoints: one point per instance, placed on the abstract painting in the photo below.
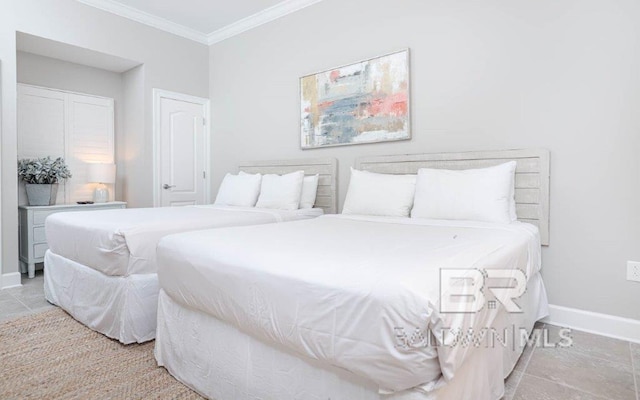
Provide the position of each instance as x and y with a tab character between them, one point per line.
365	102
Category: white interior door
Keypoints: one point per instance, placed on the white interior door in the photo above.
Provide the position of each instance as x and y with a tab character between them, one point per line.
182	165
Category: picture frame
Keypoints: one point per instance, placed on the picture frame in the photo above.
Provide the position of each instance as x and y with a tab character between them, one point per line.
363	102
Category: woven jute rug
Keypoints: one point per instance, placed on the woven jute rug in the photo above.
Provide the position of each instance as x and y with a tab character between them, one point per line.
52	356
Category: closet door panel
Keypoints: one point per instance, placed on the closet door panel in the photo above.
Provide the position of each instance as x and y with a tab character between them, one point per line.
41	128
90	139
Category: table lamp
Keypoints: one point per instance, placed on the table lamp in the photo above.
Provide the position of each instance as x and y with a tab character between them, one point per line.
101	173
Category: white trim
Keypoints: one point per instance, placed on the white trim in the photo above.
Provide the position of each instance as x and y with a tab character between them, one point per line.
10	280
600	324
142	17
157	95
252	21
262	17
63	91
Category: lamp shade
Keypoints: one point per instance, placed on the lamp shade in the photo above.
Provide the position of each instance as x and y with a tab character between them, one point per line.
102	173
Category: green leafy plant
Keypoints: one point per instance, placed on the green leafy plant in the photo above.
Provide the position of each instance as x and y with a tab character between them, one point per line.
43	170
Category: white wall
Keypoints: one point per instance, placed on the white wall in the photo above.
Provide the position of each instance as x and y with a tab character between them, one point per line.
131	146
495	74
48	72
170	63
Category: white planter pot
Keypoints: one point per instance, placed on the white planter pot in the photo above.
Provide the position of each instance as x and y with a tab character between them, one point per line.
42	194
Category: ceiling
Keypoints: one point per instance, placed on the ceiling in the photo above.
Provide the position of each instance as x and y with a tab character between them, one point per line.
205	21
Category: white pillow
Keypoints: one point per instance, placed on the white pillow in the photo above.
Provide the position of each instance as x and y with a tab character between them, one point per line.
281	191
309	191
239	190
379	194
485	194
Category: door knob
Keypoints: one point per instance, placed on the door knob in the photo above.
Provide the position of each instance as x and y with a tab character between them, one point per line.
167	186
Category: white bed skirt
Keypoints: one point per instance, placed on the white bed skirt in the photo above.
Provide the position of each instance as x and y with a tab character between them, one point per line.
221	362
120	307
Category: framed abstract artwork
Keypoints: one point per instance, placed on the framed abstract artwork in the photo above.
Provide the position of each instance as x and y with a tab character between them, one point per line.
364	102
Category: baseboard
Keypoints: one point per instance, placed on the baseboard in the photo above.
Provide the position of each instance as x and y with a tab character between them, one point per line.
600	324
10	280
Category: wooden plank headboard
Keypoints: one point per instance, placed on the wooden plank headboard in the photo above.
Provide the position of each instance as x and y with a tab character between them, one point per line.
327	168
532	176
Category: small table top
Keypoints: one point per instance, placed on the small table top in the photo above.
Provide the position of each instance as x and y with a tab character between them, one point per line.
74	205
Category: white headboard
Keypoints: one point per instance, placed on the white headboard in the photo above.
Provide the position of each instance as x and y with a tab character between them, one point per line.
327	168
532	175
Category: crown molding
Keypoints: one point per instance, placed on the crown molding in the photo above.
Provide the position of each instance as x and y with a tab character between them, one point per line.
267	15
147	19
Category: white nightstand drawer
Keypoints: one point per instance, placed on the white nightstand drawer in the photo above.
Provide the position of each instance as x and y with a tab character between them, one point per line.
40	249
39	235
40	216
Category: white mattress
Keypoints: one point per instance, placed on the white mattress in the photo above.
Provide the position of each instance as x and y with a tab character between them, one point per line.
123	242
342	289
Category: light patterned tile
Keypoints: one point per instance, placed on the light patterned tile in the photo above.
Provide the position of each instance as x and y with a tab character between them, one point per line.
9	317
524	359
581	371
534	388
635	354
4	295
35	302
23	300
27	289
511	384
595	345
12	308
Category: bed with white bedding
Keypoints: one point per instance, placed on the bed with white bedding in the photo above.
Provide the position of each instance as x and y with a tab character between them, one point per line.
101	265
123	242
348	307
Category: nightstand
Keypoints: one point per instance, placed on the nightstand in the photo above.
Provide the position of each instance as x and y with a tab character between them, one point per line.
33	241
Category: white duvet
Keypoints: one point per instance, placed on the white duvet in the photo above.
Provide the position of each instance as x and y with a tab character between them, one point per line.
359	293
123	242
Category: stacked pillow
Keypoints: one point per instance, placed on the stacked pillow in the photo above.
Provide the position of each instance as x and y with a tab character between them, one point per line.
283	192
309	191
239	190
484	194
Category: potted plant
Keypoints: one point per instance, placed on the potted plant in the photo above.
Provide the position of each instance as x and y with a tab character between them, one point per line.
41	176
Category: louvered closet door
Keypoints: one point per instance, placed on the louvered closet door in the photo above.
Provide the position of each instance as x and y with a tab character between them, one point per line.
90	139
78	127
41	127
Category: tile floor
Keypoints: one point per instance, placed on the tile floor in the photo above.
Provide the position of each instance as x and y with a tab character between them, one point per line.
593	368
25	299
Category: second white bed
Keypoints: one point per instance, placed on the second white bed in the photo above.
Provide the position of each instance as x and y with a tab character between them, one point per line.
123	242
101	265
357	293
